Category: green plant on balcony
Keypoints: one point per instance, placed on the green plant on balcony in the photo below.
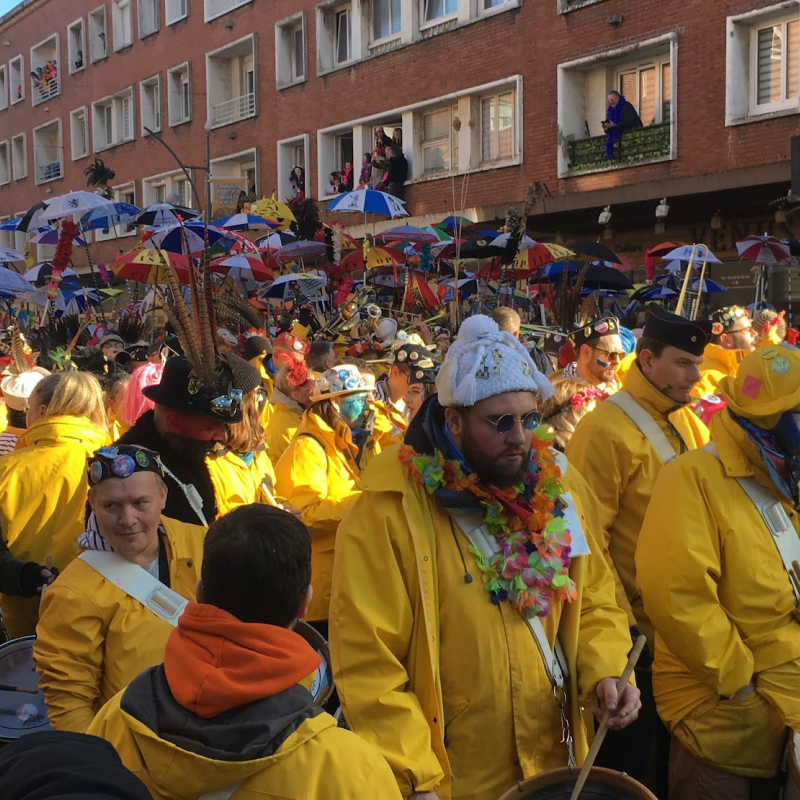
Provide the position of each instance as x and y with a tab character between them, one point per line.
635	147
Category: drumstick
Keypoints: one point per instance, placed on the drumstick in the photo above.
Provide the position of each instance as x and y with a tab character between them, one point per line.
603	729
47	565
268	493
794	575
5	688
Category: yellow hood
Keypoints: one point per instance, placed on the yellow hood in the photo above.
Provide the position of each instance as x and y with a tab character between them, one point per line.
62	430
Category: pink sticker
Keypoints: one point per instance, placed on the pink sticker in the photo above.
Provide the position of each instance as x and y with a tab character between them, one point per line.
751	387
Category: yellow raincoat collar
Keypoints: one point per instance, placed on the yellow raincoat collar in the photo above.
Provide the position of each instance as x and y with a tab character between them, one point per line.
62	429
338	437
728	360
655	402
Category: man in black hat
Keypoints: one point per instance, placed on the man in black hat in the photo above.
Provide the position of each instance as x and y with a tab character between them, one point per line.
393	389
620	448
598	352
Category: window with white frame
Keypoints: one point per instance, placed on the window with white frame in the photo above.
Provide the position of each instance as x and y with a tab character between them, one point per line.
168	188
216	8
79	133
775	49
125	194
19	157
48	152
231	82
150	99
113	120
488	5
648	87
98	35
437	10
3	87
5	164
290	50
565	6
149	22
17	79
76	46
45	78
343	35
439	140
176	10
293	153
386	19
497	127
179	89
122	23
160	193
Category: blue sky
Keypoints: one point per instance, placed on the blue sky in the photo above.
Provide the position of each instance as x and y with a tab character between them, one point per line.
7	5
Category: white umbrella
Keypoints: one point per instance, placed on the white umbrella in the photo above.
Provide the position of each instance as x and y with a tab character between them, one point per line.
7	254
368	201
502	240
11	281
282	288
71	203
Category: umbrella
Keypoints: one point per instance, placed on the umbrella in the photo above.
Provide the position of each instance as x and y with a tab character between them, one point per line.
376	257
282	288
241	245
42	272
145	266
596	250
439	233
368	201
661	293
763	249
10	224
170	237
104	218
271	209
525	242
544	253
476	245
242	267
298	250
160	214
602	293
80	202
51	236
11	281
7	254
684	253
663	248
558	268
409	233
595	277
453	223
32	219
274	241
244	222
709	286
466	287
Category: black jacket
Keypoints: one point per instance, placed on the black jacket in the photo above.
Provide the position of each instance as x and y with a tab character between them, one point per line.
398	169
629	120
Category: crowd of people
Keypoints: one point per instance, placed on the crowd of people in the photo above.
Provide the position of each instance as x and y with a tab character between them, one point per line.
475	527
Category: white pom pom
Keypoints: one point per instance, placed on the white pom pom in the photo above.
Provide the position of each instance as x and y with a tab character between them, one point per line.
477	327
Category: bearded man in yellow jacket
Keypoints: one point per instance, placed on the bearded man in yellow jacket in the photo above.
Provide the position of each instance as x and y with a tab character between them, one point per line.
619	448
109	614
732	338
467	583
713	563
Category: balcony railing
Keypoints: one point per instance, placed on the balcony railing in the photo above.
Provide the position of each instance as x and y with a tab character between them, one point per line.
49	172
44	87
634	147
234	110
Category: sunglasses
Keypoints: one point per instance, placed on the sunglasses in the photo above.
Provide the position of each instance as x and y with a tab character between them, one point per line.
228	404
618	354
505	422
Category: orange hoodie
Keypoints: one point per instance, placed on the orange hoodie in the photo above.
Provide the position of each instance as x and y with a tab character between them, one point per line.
214	662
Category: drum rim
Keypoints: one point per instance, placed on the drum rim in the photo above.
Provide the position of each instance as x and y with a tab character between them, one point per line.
321	645
554	776
14	645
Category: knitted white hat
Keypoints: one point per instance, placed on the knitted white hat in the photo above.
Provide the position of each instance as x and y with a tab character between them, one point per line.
485	361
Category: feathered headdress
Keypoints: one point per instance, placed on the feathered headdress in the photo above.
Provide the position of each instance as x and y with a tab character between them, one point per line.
15	348
514	231
233	309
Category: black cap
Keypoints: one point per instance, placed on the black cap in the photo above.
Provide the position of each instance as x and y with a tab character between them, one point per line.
691	336
604	326
410	354
181	390
255	346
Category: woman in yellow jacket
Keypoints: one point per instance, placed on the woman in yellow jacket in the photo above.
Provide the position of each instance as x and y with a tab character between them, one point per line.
319	475
42	483
289	399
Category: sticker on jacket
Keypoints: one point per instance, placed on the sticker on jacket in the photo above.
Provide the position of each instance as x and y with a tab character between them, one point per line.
580	547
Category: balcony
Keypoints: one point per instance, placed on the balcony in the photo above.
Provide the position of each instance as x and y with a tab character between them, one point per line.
635	147
48	172
44	84
234	110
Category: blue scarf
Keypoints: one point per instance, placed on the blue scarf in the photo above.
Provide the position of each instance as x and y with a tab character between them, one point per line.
614	135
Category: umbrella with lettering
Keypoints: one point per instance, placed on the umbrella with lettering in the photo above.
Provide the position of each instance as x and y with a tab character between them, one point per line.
764	250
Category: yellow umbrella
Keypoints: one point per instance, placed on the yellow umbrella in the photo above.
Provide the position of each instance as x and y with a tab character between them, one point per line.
270	208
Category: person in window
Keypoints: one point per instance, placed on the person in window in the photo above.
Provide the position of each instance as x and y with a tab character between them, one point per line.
246	196
336	183
620	117
397	172
366	171
347	177
397	137
79	60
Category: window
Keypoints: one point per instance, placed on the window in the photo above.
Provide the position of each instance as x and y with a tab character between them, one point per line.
45	79
293	153
76	46
112	120
344	151
98	45
125	194
385	18
172	188
176	10
19	157
343	46
439	141
16	71
161	193
216	8
5	171
298	53
488	5
231	82
180	95
290	50
497	127
79	133
48	149
149	22
776	53
122	23
433	10
647	87
3	87
150	98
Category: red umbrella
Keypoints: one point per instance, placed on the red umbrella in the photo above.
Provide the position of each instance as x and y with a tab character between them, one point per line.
763	249
242	267
664	248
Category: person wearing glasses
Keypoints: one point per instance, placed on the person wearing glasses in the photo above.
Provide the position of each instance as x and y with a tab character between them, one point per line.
620	448
732	338
598	353
462	570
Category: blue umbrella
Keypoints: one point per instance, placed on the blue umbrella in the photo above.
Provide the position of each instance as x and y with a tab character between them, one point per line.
107	217
170	237
368	201
709	287
558	268
10	224
11	281
602	293
243	222
685	253
661	293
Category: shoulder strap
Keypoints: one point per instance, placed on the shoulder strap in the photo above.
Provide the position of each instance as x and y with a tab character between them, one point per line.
137	583
772	513
645	423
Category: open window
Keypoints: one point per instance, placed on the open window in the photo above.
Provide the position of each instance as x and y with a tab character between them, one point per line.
17	78
76	46
19	157
98	39
150	98
3	87
290	50
5	164
180	94
48	152
45	70
79	133
231	82
113	120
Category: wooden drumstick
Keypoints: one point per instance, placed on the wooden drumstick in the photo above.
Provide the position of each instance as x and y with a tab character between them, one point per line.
268	493
794	576
5	688
603	729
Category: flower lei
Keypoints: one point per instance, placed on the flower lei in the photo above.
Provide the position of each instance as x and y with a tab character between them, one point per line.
532	565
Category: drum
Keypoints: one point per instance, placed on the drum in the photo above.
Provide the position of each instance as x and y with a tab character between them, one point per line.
322	687
559	783
20	712
792	791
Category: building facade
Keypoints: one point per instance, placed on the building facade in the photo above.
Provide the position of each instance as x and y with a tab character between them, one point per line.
489	97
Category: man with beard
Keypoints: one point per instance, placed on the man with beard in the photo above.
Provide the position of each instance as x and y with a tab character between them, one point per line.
598	352
732	338
188	420
620	448
461	572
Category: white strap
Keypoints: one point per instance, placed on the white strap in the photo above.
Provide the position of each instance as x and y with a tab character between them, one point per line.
190	493
138	583
475	530
775	518
645	423
221	794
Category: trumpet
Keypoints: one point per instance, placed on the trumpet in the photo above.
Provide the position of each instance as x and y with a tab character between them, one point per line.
541	330
429	320
348	315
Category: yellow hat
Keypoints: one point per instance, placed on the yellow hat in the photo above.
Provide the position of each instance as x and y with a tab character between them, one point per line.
766	385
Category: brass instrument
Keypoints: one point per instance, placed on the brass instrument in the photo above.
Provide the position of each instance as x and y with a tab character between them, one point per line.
429	320
541	330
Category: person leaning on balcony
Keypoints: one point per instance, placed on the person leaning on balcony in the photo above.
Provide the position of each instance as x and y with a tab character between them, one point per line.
621	116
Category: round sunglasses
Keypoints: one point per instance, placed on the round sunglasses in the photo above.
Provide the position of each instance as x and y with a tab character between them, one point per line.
505	422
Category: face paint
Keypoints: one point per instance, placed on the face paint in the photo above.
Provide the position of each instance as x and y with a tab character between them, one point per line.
602	364
352	407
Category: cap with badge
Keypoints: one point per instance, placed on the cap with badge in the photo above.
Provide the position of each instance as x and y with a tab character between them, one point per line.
691	336
723	319
122	461
423	370
604	326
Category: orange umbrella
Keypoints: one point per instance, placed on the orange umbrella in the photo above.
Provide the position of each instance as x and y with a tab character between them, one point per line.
147	266
376	257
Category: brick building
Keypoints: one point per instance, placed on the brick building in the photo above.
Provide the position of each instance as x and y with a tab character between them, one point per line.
490	96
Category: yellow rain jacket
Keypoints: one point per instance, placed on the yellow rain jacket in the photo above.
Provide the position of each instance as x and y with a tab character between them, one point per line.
283	424
717	363
400	603
318	475
716	589
93	639
269	387
43	493
621	467
237	483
